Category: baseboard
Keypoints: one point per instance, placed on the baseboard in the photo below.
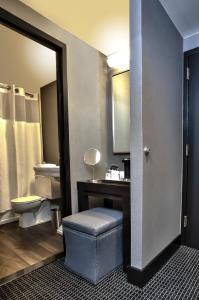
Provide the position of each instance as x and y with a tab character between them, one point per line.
141	277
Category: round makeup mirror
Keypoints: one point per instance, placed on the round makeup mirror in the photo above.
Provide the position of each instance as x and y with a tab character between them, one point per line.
92	158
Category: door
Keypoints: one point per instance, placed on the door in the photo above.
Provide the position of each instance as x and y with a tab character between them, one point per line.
192	150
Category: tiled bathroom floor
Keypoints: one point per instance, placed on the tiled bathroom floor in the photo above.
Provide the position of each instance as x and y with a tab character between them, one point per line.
23	249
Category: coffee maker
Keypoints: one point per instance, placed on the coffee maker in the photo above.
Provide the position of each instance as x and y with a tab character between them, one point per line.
127	167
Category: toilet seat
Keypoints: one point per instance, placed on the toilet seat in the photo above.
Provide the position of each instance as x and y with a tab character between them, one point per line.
27	199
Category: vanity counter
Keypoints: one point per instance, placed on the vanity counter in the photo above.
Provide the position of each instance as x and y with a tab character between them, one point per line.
116	191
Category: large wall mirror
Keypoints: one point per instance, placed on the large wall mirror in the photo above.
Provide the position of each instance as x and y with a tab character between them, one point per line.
121	112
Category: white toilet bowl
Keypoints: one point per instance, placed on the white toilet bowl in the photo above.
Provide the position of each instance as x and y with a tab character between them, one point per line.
32	210
36	209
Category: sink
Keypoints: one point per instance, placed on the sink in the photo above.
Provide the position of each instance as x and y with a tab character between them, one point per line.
51	170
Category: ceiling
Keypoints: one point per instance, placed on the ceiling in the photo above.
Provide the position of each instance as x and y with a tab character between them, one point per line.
102	24
184	14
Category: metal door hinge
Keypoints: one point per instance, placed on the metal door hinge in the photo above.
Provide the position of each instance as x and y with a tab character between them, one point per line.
185	221
187	150
188	73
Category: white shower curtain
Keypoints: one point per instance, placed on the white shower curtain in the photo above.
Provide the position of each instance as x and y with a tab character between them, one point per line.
20	144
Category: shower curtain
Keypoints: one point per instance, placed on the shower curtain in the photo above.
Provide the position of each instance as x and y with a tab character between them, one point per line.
20	144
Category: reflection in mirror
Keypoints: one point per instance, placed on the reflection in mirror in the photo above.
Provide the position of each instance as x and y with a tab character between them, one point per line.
121	112
92	158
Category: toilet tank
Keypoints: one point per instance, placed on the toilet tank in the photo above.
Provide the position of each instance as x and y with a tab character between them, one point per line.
47	187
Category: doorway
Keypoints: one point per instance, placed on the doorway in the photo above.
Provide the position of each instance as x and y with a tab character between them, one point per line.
190	220
46	40
26	30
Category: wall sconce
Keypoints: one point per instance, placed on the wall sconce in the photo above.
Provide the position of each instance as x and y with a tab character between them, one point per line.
119	60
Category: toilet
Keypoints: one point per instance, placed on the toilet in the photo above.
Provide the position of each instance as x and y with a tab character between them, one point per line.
32	210
36	209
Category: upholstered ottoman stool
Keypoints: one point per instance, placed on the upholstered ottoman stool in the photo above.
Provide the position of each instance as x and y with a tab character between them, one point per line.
93	242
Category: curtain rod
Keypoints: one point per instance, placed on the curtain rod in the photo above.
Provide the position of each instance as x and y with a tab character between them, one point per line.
8	87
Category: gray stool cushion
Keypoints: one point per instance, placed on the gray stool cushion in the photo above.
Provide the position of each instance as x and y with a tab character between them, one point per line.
93	242
94	221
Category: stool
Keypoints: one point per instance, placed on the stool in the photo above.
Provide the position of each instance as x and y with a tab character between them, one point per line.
94	240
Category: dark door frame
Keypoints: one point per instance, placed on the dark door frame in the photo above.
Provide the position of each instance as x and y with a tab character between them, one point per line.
185	141
26	29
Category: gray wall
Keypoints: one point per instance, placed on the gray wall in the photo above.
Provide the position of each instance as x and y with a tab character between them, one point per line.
50	123
87	84
191	42
157	70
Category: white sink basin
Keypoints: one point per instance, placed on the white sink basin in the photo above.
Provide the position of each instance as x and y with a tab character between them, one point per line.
47	170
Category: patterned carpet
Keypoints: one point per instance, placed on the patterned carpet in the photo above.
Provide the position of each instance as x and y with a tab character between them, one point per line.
178	279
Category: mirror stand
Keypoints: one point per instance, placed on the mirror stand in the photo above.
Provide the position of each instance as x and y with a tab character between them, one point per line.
93	180
93	176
